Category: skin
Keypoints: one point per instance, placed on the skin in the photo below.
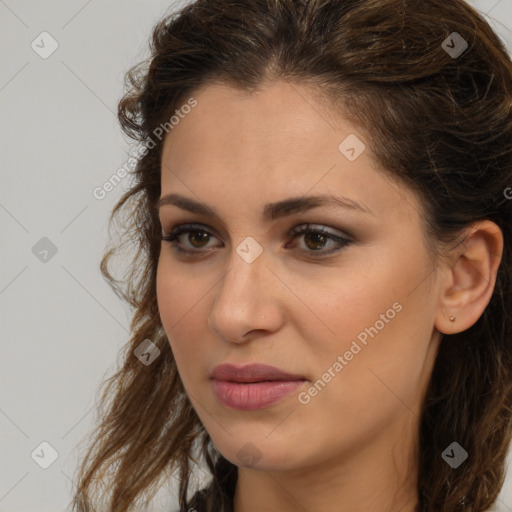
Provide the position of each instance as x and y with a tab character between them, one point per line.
353	447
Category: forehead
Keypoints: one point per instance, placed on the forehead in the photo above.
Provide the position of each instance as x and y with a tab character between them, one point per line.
276	118
277	142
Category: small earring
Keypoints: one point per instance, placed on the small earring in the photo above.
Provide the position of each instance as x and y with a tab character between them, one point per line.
452	319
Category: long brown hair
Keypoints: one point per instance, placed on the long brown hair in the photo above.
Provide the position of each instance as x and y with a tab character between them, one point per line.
438	122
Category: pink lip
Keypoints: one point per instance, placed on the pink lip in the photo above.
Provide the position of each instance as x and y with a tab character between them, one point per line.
251	373
254	386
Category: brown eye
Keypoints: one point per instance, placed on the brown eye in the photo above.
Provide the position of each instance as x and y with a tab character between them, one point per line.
197	238
316	239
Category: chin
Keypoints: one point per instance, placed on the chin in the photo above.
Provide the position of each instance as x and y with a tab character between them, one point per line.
262	455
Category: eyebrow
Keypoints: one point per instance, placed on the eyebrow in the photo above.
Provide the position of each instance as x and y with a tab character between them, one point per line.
271	211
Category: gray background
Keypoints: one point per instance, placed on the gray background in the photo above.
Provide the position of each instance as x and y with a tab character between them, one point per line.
62	326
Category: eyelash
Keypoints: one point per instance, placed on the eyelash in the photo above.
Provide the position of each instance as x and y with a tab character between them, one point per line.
295	232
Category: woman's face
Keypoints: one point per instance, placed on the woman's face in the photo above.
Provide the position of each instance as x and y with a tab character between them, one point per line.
352	321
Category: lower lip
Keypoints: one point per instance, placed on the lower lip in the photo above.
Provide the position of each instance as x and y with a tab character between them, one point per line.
255	395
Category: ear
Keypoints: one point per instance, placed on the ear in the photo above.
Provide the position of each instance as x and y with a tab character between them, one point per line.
468	283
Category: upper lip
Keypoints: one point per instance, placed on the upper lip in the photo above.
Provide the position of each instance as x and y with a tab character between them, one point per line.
252	373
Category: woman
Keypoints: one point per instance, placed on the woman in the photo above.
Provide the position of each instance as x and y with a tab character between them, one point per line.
322	283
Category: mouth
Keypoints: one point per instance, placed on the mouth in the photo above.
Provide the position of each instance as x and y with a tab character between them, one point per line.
253	386
254	380
250	396
252	373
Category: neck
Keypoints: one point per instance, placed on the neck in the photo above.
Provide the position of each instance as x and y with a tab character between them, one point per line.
381	476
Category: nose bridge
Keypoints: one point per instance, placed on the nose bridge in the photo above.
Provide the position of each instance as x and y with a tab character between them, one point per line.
240	286
242	301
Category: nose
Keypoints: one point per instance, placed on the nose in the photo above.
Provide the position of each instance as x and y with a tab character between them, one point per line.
247	301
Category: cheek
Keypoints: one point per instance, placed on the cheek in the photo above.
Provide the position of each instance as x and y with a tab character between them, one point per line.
345	304
178	305
376	323
379	383
178	293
